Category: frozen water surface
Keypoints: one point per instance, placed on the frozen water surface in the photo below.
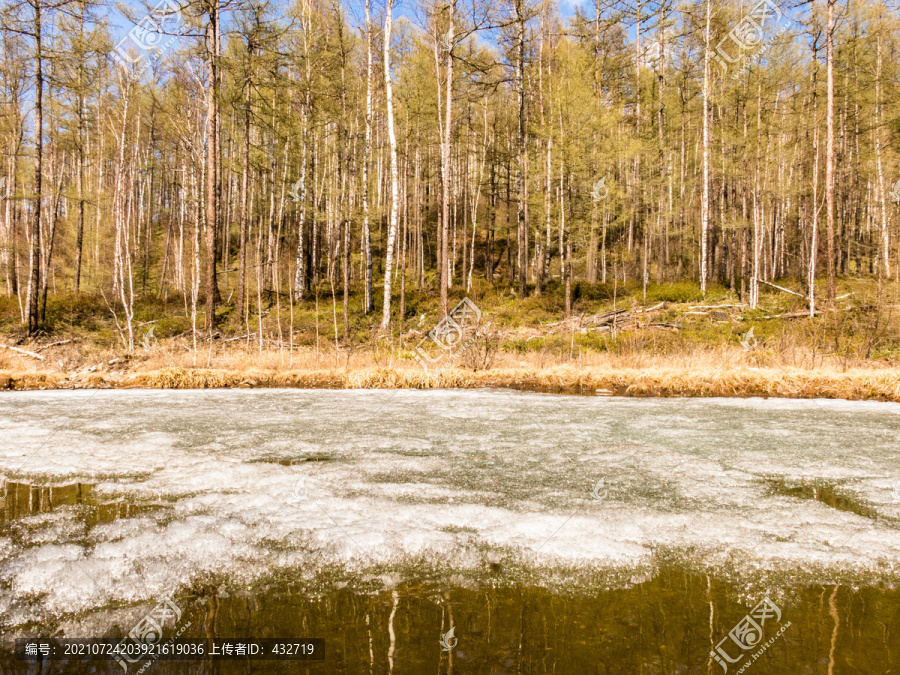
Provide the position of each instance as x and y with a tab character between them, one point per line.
240	485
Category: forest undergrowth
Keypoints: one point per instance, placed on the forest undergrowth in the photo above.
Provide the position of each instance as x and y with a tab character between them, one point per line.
615	341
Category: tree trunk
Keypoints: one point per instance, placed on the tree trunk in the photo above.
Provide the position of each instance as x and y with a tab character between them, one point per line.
368	299
444	257
829	155
395	187
885	234
212	173
814	205
244	218
522	225
34	257
704	205
545	263
79	169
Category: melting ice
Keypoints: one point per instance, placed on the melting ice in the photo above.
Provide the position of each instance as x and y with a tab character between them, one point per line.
240	483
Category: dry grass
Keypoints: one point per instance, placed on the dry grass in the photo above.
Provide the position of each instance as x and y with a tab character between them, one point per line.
833	357
721	371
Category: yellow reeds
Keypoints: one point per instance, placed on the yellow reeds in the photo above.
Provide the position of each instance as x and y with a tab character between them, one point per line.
655	380
720	371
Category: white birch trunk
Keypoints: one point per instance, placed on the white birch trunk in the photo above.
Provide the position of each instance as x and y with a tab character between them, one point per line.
392	140
704	204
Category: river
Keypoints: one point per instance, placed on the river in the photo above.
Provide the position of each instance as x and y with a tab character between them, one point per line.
550	533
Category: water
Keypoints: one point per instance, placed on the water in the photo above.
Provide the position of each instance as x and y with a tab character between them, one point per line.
555	533
23	499
664	625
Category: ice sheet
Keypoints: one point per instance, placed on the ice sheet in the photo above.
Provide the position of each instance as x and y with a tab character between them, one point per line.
459	479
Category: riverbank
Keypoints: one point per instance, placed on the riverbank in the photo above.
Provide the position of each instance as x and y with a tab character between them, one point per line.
674	343
660	380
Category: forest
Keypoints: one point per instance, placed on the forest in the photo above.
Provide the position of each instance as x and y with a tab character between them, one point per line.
231	157
656	242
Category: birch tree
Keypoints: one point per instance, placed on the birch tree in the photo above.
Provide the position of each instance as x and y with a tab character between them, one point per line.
395	186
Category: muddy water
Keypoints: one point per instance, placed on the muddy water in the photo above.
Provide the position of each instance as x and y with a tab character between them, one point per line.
664	625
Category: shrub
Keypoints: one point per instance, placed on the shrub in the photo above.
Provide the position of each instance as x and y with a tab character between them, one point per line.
674	292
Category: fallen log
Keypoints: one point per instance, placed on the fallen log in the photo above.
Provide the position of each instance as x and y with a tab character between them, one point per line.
650	309
239	337
607	317
740	304
782	288
53	344
23	351
789	315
